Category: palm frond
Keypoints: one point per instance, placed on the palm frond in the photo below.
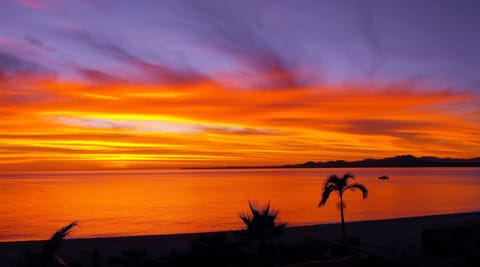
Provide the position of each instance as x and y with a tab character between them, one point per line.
61	233
266	209
361	187
333	179
339	183
247	220
347	176
253	209
54	243
329	188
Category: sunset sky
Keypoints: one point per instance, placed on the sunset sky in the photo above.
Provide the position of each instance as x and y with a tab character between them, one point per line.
92	85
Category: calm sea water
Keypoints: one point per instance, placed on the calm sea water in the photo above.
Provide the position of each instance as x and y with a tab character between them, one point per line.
32	206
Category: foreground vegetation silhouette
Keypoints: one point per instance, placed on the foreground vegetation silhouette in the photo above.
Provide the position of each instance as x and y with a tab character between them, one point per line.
261	227
48	256
340	185
262	224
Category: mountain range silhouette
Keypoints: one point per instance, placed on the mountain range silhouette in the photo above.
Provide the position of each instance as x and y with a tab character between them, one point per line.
397	161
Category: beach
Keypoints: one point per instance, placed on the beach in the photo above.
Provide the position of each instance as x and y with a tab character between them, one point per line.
399	239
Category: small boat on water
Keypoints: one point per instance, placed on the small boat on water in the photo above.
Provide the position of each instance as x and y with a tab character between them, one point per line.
384	177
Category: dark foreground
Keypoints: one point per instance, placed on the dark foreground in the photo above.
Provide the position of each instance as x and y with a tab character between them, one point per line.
440	240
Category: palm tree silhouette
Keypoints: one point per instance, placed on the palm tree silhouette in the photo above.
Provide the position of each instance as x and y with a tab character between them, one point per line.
340	185
262	225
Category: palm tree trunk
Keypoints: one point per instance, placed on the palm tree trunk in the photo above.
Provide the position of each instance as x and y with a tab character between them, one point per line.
344	237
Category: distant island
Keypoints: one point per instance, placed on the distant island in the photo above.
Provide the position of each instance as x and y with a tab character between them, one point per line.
397	161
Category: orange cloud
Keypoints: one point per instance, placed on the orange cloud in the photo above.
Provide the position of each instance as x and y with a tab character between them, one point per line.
58	125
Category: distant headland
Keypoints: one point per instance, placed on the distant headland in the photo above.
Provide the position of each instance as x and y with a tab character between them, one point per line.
397	161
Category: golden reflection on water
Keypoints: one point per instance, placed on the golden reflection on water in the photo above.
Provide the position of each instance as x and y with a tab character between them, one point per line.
180	201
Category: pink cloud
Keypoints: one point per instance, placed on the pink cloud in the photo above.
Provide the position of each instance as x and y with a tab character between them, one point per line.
35	4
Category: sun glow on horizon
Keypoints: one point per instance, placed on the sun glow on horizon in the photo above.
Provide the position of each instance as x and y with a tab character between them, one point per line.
66	125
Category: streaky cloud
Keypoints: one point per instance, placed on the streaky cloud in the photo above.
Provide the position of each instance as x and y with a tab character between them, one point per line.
147	71
245	40
11	65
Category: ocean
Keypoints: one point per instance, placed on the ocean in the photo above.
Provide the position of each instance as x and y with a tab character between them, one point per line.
128	203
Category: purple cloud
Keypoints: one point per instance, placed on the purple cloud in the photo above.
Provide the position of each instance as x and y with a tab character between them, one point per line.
151	72
11	65
261	43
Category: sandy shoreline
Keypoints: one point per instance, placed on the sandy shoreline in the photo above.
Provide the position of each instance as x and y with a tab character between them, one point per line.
400	236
